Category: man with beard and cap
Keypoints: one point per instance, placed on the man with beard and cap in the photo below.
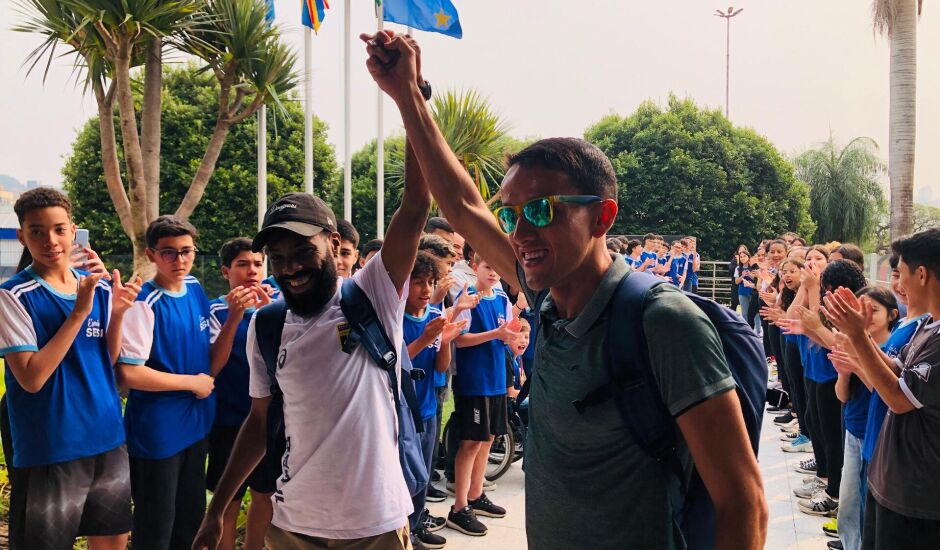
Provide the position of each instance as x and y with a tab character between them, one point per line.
342	484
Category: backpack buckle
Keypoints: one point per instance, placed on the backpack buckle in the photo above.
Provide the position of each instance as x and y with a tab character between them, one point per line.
418	375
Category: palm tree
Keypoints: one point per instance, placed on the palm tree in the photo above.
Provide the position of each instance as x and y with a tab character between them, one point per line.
845	192
475	133
897	19
109	39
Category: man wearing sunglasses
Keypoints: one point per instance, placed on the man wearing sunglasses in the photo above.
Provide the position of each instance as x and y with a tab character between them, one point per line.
588	485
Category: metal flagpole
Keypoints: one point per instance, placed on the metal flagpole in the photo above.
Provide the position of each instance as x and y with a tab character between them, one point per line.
380	145
262	163
308	110
347	115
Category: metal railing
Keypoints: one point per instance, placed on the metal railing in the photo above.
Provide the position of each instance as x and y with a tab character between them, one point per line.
714	281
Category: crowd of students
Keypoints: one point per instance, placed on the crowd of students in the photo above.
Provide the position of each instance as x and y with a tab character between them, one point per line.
679	263
74	337
859	395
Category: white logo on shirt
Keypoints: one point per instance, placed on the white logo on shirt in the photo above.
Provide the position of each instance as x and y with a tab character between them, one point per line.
203	323
922	371
93	329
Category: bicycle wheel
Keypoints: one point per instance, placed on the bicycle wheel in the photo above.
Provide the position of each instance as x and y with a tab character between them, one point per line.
501	455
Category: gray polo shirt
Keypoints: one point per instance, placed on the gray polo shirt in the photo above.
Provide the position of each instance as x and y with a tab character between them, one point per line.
588	485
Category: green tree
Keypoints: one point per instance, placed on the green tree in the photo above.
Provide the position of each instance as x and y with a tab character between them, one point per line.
685	170
229	207
363	185
109	40
845	191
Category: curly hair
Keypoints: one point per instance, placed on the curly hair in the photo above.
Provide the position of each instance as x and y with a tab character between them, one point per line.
41	197
426	264
842	273
437	245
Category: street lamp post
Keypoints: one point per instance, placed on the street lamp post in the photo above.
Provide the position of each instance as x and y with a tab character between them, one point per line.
727	17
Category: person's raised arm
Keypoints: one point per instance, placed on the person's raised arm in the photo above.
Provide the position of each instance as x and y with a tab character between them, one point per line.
404	231
449	182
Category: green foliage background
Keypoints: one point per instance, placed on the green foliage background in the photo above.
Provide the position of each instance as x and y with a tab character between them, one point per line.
228	208
688	171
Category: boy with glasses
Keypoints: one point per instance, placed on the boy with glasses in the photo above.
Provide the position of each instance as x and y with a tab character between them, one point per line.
165	362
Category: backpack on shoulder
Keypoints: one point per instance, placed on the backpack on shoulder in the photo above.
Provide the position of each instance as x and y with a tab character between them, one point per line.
634	390
365	330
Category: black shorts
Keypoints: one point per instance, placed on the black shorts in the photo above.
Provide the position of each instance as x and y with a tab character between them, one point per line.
53	504
480	417
221	442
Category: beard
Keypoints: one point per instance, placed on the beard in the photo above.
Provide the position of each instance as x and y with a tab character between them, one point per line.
310	302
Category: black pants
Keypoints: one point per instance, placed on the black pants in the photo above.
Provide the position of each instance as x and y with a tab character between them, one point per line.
794	367
773	336
887	530
827	431
169	498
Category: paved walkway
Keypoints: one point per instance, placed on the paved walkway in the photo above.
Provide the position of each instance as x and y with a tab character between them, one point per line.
789	529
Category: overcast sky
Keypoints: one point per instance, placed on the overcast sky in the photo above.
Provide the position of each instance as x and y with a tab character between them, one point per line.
552	68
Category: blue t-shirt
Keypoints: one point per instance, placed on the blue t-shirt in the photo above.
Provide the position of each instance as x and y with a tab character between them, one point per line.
481	369
231	384
877	409
676	269
744	272
77	412
816	364
169	332
629	261
413	328
691	275
855	412
646	256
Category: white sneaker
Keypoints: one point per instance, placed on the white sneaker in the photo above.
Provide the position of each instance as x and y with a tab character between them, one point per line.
801	444
808	490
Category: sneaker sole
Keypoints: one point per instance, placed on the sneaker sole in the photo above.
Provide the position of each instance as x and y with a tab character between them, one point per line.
805	471
460	529
831	534
488	514
811	512
432	545
436	499
790	449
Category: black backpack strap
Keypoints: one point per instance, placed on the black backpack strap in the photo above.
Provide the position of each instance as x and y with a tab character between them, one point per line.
631	382
269	325
366	330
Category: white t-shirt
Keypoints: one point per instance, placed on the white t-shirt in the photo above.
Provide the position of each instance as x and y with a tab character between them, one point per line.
341	477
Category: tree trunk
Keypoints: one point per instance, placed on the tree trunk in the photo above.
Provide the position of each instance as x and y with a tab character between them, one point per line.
902	117
109	159
150	125
198	186
133	159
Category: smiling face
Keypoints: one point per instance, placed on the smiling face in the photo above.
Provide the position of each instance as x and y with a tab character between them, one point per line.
48	234
550	255
246	269
896	286
777	253
879	318
304	268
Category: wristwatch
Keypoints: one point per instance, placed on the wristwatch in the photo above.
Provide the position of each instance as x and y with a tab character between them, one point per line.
425	90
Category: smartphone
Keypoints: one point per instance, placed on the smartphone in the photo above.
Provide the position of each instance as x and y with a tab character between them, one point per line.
78	246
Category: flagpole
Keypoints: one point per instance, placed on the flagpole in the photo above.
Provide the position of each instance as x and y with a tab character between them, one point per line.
308	110
347	114
380	144
262	163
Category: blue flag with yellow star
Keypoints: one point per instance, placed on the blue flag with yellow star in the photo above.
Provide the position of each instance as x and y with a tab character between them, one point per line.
426	15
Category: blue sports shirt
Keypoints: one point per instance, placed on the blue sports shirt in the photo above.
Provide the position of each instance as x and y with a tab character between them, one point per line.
77	412
413	329
168	332
481	369
232	402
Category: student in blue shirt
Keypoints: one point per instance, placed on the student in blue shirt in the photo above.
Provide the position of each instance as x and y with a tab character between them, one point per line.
229	317
649	257
480	397
693	264
60	329
428	336
165	361
677	271
634	254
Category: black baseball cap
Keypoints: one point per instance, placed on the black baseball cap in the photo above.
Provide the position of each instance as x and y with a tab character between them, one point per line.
299	213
